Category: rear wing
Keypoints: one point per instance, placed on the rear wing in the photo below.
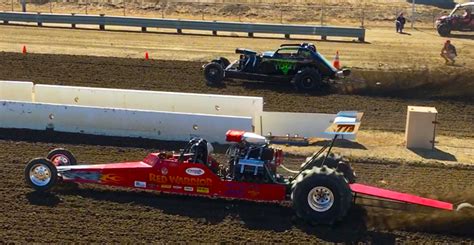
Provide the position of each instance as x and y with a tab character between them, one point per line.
346	123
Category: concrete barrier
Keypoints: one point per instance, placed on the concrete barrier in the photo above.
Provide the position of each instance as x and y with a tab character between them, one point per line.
16	90
150	100
301	124
118	122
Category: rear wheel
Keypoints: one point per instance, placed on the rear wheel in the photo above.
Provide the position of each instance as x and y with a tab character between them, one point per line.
41	174
308	79
61	157
321	196
214	73
444	30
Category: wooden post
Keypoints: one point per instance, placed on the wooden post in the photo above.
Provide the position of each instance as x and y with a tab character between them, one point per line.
287	36
214	33
102	26
39	23
250	34
73	25
143	29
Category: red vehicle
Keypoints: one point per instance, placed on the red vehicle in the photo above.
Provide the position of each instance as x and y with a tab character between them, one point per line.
321	191
460	19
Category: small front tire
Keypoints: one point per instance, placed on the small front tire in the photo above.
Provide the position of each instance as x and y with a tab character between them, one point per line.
214	73
61	157
41	174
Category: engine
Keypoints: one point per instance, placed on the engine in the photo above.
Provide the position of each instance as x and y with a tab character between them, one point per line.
251	159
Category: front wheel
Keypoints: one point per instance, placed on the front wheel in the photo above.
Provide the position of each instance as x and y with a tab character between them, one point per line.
308	79
214	73
321	196
444	30
61	157
41	174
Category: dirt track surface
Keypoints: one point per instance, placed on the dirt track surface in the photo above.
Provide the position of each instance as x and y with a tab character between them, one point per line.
97	214
383	110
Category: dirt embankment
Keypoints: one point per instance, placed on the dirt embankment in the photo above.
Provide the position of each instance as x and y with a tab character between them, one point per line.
384	104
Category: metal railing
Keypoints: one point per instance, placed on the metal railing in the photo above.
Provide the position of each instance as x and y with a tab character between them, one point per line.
179	25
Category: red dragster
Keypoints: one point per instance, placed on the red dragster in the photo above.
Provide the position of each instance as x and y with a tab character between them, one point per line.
321	191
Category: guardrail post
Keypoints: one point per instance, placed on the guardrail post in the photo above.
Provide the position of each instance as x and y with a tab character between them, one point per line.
39	23
250	34
143	28
5	22
102	26
214	33
287	36
361	39
73	25
324	38
180	31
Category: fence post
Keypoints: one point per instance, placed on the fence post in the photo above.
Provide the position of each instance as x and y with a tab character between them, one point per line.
124	8
39	23
102	26
362	19
413	12
281	16
73	25
87	4
23	5
50	6
322	14
12	7
163	10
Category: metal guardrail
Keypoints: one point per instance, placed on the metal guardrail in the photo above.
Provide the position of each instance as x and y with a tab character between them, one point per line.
179	25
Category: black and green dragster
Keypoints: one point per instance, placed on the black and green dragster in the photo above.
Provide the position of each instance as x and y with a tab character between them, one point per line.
300	64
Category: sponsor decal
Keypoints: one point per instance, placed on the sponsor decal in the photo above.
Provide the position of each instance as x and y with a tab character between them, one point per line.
188	188
165	186
140	184
201	189
195	171
164	171
177	187
178	180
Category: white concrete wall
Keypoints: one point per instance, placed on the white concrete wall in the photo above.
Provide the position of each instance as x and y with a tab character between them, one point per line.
302	124
118	122
152	100
16	90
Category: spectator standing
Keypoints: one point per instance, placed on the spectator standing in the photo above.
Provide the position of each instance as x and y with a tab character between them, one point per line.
400	23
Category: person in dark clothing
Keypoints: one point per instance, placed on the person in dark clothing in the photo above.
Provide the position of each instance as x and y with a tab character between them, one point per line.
400	23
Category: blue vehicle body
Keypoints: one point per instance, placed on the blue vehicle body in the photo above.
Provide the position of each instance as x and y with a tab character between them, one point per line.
295	63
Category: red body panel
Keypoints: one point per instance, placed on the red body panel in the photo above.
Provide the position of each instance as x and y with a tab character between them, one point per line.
167	175
398	196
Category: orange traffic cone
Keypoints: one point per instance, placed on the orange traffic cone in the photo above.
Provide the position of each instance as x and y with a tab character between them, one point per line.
336	63
147	57
24	49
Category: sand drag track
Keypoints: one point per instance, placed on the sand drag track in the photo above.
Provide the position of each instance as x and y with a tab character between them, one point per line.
384	108
98	214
